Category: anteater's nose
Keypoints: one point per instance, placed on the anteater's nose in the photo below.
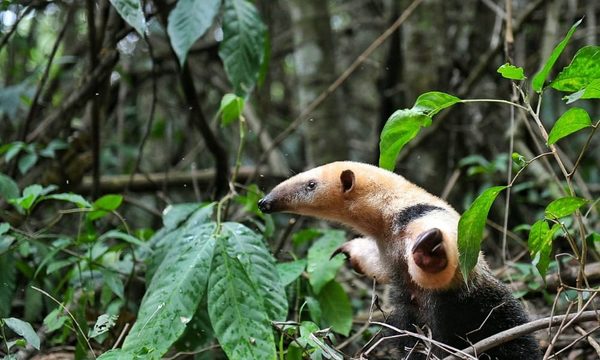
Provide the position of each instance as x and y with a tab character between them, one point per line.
264	205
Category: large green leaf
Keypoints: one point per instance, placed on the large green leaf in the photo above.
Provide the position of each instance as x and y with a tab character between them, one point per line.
24	329
174	293
584	68
564	207
259	265
336	308
571	121
131	12
320	268
242	48
236	309
188	21
470	229
540	78
540	244
399	129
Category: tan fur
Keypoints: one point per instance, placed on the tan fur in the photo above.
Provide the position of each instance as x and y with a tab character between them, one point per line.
369	208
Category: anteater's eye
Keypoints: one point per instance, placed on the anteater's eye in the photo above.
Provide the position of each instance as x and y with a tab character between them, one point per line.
311	185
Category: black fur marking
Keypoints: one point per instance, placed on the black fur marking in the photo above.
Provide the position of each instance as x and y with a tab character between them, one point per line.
406	215
453	315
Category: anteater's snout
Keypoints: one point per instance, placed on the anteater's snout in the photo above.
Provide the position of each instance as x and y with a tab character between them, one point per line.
265	205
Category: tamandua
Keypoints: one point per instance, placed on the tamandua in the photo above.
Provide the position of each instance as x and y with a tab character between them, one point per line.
410	242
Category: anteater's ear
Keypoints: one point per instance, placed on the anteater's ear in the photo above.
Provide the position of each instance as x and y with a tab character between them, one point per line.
428	251
347	179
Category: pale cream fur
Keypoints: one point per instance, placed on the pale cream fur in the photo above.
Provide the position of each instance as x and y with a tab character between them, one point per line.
370	208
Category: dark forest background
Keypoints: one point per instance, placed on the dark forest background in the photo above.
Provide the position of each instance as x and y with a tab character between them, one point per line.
88	105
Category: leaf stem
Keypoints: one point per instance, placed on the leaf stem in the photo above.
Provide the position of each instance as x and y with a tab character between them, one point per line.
495	101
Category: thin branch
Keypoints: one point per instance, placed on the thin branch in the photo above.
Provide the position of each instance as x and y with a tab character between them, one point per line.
525	329
77	98
340	80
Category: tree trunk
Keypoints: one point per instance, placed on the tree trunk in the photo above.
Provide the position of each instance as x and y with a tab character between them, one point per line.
324	131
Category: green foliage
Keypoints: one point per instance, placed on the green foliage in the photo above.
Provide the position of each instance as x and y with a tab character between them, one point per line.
24	330
403	125
231	108
336	308
319	267
583	70
470	229
236	311
8	188
562	207
511	72
131	12
571	121
540	78
174	293
188	21
540	244
242	48
290	271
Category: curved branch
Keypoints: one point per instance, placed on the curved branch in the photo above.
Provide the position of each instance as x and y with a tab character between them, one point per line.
525	329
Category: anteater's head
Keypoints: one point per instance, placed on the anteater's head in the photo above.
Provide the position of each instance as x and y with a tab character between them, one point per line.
321	192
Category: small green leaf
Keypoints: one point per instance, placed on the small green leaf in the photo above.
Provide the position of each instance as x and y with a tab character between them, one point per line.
518	159
242	48
131	12
305	235
72	198
231	108
26	162
104	323
4	227
319	267
290	271
470	229
8	187
584	68
24	330
399	129
571	121
511	72
540	244
55	319
116	234
431	103
114	283
540	78
108	202
188	21
564	207
336	308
